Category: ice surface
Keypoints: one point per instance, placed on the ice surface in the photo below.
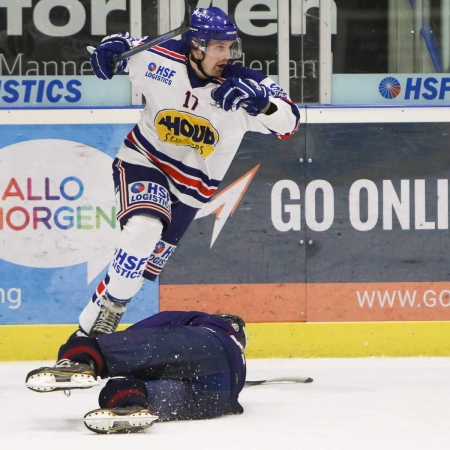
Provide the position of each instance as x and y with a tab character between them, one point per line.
361	404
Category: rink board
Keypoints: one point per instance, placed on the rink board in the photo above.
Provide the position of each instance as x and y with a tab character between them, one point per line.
271	340
371	279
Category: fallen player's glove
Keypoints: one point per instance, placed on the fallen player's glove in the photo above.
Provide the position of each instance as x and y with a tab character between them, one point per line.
102	57
246	93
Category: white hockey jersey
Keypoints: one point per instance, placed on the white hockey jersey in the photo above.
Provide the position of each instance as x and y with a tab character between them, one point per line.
182	132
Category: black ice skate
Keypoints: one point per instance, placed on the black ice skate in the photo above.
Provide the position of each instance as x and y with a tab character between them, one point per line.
65	374
108	318
132	419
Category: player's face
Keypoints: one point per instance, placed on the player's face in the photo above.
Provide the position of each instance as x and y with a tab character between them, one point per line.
216	57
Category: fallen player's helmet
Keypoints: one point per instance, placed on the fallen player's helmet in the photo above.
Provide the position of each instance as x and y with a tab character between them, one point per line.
239	326
212	24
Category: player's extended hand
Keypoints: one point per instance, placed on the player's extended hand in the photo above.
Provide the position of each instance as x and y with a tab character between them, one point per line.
238	92
102	57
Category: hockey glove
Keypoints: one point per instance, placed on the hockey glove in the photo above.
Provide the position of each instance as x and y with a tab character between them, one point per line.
246	93
102	57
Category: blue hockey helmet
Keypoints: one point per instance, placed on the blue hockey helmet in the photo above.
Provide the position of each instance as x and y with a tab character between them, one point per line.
238	325
212	24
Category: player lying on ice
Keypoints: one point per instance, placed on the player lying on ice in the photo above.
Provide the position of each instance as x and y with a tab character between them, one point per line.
198	109
174	365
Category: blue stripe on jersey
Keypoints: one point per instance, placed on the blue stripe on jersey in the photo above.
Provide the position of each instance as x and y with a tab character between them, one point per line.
190	171
184	188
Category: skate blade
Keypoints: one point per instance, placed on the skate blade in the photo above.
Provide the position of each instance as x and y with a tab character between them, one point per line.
46	382
105	421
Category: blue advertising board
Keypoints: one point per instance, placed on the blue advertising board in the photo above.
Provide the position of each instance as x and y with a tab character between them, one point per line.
63	91
57	221
393	90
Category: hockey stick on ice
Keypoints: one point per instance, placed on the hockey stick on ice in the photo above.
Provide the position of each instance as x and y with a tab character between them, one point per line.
164	37
281	380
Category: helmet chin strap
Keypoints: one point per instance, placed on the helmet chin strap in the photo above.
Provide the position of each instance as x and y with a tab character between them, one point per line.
198	63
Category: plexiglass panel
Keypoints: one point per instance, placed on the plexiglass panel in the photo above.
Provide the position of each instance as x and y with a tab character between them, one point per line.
394	52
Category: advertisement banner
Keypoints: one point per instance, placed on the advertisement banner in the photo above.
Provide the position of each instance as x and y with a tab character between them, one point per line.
393	90
58	230
342	222
369	302
63	91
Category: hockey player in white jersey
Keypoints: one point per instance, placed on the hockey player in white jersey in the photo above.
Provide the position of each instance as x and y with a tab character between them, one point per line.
198	108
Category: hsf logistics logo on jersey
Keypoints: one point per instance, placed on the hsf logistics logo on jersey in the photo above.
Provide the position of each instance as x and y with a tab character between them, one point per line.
161	254
415	88
160	73
146	191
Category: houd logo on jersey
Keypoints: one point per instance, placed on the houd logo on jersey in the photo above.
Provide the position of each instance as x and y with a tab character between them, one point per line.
160	73
182	128
146	191
225	203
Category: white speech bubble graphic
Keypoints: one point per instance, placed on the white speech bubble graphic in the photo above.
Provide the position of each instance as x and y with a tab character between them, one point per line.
57	205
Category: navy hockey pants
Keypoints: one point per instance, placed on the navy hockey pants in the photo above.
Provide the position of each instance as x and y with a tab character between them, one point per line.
184	371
